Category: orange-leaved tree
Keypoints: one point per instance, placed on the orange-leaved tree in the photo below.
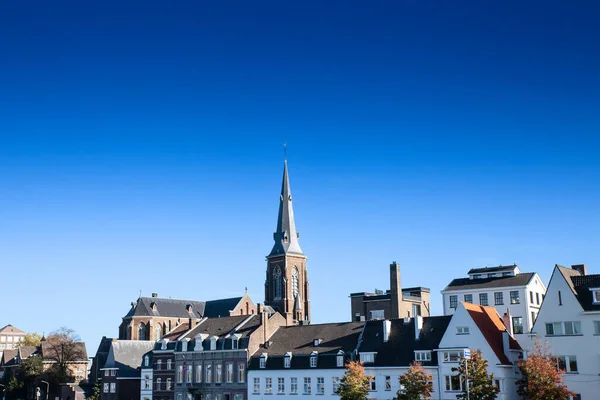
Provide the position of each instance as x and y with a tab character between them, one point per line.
355	384
416	383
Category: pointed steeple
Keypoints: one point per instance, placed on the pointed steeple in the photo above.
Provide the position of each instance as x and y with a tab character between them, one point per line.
286	237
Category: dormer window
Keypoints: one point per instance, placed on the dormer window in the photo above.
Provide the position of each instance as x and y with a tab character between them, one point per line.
189	308
316	342
198	342
153	306
263	360
477	276
163	345
367	357
313	359
184	344
340	359
287	360
595	295
234	343
213	343
146	361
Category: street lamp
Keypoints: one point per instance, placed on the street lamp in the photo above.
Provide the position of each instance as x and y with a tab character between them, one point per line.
47	388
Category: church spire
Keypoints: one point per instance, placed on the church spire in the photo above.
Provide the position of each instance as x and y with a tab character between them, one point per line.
286	237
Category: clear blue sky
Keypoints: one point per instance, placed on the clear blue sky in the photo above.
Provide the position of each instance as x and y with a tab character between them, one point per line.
141	147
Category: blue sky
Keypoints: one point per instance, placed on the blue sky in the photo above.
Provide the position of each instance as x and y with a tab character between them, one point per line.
141	147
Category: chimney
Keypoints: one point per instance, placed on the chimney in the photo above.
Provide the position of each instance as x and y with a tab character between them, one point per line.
264	321
154	294
582	268
395	290
418	326
506	344
387	330
507	321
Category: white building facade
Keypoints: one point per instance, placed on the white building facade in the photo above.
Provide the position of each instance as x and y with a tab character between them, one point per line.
569	324
511	292
146	376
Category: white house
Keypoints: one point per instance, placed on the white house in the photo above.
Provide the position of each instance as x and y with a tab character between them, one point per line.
507	289
146	376
480	328
569	323
306	360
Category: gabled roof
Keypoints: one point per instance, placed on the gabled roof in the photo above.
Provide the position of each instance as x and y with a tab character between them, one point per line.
172	308
126	355
299	341
400	348
9	329
79	349
8	357
176	332
521	279
216	326
221	307
491	327
27	351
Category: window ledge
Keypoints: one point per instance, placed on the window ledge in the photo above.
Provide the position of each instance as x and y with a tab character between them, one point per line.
579	334
463	334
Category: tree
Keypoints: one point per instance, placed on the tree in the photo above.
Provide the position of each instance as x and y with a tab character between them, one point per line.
480	384
96	394
63	347
355	384
31	339
540	377
417	383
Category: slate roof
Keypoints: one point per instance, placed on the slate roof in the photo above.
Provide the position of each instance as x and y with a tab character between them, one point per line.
27	351
126	355
179	330
173	308
221	307
216	326
46	349
521	279
8	358
582	285
487	270
400	348
491	326
299	341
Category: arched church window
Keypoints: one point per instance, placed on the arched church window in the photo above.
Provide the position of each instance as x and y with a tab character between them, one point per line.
157	332
277	279
142	331
295	282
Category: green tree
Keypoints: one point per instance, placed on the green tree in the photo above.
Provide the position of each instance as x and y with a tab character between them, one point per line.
480	384
96	394
31	339
354	385
540	377
417	383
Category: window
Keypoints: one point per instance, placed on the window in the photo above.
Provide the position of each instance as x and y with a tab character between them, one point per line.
199	373
532	318
491	275
218	373
507	274
517	323
241	373
287	361
483	299
158	384
576	396
537	298
559	298
569	328
189	372
229	372
566	363
105	388
320	385
280	385
452	356
263	362
307	388
277	279
113	372
453	301
113	387
572	328
498	298
514	297
377	314
168	383
146	361
468	298
159	364
256	385
596	296
268	385
477	276
294	282
372	384
596	327
423	355
388	383
313	361
335	383
180	374
208	373
367	357
340	360
213	343
531	297
293	385
169	364
454	383
234	343
462	330
147	382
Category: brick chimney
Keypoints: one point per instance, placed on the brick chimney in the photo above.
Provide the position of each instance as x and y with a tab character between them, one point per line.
507	321
395	290
582	268
264	321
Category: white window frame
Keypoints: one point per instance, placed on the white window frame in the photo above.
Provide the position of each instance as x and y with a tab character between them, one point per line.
335	384
320	385
256	386
449	356
241	373
448	383
294	385
567	360
595	295
113	387
462	330
367	357
287	361
307	385
199	373
280	385
106	388
423	355
268	385
229	372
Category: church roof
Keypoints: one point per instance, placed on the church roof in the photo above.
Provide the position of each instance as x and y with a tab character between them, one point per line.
286	236
175	308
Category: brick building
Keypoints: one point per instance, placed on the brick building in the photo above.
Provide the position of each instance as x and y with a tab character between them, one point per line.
397	302
121	373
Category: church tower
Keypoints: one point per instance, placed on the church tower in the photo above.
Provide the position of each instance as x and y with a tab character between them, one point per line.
286	286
